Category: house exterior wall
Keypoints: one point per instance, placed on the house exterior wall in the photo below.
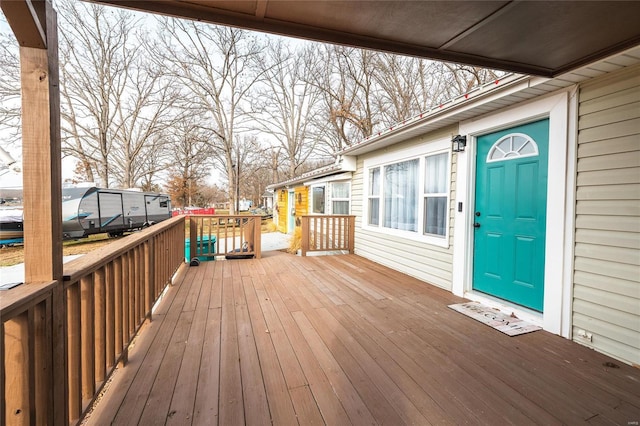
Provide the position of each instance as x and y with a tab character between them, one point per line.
425	261
606	287
281	205
301	202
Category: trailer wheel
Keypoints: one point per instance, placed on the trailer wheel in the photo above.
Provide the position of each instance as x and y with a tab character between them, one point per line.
116	234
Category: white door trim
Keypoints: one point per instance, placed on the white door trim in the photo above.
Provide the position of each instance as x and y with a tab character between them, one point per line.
558	248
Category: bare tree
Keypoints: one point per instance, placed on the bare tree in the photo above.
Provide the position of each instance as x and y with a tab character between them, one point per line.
141	122
190	160
113	105
287	105
408	86
459	79
346	77
9	89
217	69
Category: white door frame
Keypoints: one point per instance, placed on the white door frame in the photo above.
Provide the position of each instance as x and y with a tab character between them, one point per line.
560	210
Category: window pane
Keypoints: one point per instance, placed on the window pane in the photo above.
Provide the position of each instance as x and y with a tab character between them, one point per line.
436	215
401	195
374	211
436	174
374	181
318	199
340	190
340	207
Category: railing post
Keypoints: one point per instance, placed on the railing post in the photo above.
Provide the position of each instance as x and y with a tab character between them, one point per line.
193	238
149	276
304	244
16	374
257	237
352	234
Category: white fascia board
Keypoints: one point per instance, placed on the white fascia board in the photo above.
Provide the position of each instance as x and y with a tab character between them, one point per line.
341	176
485	95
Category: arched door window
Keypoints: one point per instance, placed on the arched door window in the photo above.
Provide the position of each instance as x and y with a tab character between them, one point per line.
512	146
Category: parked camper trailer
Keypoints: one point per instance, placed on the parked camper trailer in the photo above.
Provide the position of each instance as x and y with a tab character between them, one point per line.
91	210
87	211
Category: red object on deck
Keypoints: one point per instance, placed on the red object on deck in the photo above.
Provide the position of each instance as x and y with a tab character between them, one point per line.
192	211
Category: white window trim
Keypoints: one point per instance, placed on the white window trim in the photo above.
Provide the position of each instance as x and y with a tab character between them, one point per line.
446	194
330	198
511	135
560	198
418	152
311	187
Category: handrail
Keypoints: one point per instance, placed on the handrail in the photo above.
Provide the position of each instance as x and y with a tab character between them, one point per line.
60	341
225	235
328	233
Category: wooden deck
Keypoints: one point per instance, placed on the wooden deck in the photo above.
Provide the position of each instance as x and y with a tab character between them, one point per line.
340	340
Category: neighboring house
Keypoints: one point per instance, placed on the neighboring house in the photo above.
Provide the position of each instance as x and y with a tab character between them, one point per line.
539	215
267	199
325	190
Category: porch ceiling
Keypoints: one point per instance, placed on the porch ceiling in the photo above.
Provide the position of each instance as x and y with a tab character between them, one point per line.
544	38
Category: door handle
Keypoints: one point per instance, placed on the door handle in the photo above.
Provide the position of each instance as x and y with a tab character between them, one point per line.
476	225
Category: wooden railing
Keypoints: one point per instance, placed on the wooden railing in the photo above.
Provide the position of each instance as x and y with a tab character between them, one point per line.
328	233
224	235
61	340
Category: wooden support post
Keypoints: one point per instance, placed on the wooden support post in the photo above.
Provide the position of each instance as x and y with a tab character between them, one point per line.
41	157
34	23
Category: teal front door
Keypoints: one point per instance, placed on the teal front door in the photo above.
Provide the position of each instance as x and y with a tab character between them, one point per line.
510	214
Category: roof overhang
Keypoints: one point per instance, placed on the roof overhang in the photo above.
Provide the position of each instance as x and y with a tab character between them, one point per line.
545	38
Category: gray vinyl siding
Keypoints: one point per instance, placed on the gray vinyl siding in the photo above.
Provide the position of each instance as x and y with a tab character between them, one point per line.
427	262
606	292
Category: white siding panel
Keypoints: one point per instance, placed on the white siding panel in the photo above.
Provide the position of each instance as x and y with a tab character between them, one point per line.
606	281
625	288
613	254
608	238
608	146
624	320
606	269
609	192
608	116
628	224
610	162
624	81
607	208
604	102
614	130
609	177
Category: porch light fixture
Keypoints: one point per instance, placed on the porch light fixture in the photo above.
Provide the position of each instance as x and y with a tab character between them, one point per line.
458	143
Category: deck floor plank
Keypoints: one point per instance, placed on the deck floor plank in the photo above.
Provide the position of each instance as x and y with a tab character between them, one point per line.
341	340
230	399
253	386
184	393
280	404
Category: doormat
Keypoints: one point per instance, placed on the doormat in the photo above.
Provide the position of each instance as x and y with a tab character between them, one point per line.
492	317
